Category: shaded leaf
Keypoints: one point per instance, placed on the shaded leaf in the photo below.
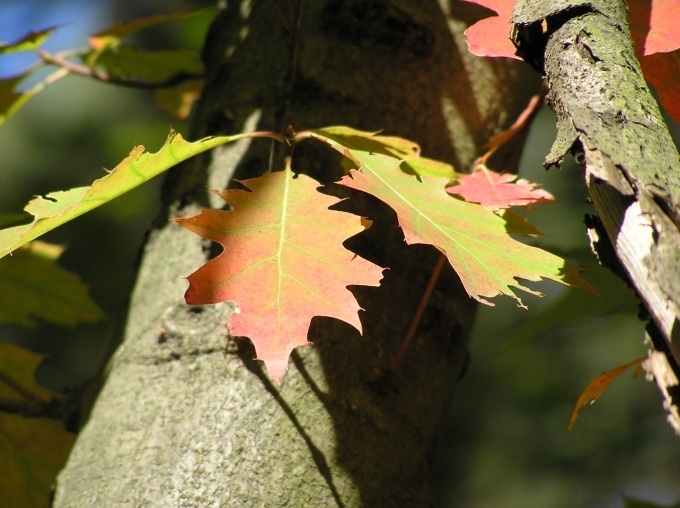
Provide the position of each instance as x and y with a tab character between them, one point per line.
402	149
498	190
111	36
178	100
283	263
17	375
28	42
474	238
126	63
59	207
639	503
32	450
597	387
33	285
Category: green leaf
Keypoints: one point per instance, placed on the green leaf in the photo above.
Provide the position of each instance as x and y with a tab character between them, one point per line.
399	148
33	285
474	239
127	63
137	168
32	449
28	42
11	100
111	36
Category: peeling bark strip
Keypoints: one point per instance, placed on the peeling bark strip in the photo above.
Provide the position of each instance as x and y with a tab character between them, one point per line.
606	113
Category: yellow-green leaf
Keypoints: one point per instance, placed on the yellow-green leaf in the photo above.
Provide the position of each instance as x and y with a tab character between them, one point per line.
408	152
28	42
137	168
11	99
475	240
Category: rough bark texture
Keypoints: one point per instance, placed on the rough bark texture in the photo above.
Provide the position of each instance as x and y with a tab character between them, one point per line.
609	119
186	417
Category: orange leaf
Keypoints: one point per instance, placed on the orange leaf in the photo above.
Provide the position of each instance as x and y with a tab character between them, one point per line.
597	387
283	263
491	36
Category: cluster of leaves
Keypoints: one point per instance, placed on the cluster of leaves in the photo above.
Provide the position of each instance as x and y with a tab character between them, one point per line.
653	26
175	76
284	260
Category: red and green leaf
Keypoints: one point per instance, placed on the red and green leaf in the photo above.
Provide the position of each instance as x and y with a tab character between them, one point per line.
283	263
475	240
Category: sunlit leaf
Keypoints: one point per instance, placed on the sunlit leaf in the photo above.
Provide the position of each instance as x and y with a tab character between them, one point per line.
283	263
475	240
28	42
59	207
498	190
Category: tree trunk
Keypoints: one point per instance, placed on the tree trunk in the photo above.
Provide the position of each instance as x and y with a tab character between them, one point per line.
608	118
185	416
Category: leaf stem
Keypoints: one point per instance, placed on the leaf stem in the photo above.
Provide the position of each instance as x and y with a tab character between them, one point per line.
417	318
107	78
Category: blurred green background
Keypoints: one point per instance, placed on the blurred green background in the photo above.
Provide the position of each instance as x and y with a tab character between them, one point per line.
504	442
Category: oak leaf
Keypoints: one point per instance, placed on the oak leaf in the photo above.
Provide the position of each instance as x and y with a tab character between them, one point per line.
283	263
475	240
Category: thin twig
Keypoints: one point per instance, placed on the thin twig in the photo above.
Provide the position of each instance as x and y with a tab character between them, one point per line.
290	78
424	301
279	14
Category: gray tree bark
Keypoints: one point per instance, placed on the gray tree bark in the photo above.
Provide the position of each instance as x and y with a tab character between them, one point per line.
185	416
607	116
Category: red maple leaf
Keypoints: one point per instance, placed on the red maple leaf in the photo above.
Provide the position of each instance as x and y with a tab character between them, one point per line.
497	190
283	263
